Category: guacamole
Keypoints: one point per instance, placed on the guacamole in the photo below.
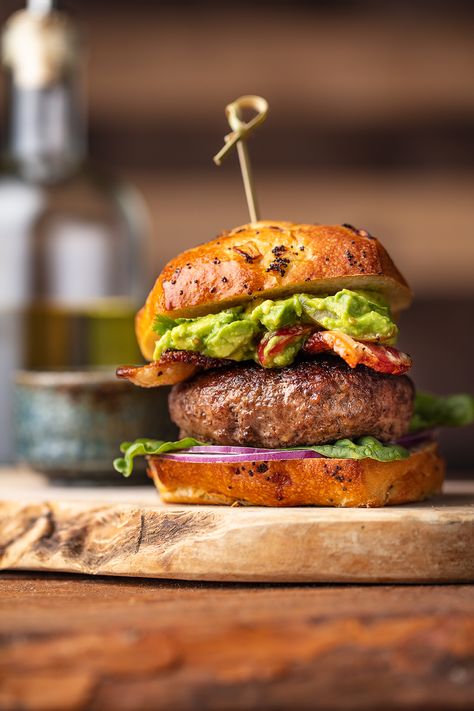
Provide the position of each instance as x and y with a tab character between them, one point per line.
235	333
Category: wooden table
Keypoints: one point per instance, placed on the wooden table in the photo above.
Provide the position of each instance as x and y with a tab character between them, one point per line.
77	642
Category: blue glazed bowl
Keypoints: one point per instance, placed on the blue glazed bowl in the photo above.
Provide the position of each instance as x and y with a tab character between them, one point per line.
69	424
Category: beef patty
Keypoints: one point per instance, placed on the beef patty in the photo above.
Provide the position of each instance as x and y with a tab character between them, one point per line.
310	402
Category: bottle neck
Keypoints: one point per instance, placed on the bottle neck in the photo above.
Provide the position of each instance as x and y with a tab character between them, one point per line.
41	50
47	136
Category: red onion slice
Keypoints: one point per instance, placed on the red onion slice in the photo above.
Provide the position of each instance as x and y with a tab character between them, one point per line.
265	455
414	438
217	449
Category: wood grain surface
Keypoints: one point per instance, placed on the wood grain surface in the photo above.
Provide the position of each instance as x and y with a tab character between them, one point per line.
127	531
75	642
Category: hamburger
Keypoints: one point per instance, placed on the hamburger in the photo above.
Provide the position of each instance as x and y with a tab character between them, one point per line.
279	342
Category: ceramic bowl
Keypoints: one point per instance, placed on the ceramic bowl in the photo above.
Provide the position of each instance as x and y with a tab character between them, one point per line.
69	424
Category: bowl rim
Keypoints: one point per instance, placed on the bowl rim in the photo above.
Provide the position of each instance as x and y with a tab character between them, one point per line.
73	376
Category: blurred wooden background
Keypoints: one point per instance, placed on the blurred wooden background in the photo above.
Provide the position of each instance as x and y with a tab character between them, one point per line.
371	123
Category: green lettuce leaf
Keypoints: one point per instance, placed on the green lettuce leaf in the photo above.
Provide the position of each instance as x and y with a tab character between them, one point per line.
142	447
362	448
436	411
162	324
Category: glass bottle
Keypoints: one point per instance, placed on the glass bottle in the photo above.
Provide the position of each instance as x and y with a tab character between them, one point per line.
72	238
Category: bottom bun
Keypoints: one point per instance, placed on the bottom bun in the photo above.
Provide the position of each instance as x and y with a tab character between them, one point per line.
301	482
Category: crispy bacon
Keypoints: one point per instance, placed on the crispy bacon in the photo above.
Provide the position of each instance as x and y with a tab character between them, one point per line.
173	367
154	374
176	366
286	336
197	359
382	359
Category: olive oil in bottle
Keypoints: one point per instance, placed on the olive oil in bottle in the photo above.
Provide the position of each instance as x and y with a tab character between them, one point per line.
87	335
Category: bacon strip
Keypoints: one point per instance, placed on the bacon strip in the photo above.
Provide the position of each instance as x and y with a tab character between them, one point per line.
382	359
173	367
176	366
155	374
197	359
286	337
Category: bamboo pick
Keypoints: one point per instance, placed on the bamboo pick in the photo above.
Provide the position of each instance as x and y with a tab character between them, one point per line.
241	130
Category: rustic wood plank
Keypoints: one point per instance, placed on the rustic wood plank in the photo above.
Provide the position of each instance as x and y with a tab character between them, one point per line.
81	643
129	532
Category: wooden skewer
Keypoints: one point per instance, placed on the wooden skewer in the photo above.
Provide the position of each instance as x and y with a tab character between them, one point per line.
240	132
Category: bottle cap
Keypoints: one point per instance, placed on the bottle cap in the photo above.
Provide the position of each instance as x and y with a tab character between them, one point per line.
39	47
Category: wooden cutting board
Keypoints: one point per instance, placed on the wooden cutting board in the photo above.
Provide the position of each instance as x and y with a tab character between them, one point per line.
127	531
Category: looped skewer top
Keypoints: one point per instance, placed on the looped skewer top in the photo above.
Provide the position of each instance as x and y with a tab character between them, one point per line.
241	129
240	132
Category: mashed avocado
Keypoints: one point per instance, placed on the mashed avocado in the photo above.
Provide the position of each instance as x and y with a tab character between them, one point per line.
235	333
222	335
360	314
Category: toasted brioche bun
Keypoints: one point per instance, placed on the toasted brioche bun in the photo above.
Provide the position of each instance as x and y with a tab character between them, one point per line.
249	263
301	482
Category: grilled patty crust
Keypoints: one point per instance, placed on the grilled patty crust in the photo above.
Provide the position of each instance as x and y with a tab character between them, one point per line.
310	402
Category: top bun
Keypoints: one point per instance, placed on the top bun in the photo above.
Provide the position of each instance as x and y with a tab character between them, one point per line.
269	260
